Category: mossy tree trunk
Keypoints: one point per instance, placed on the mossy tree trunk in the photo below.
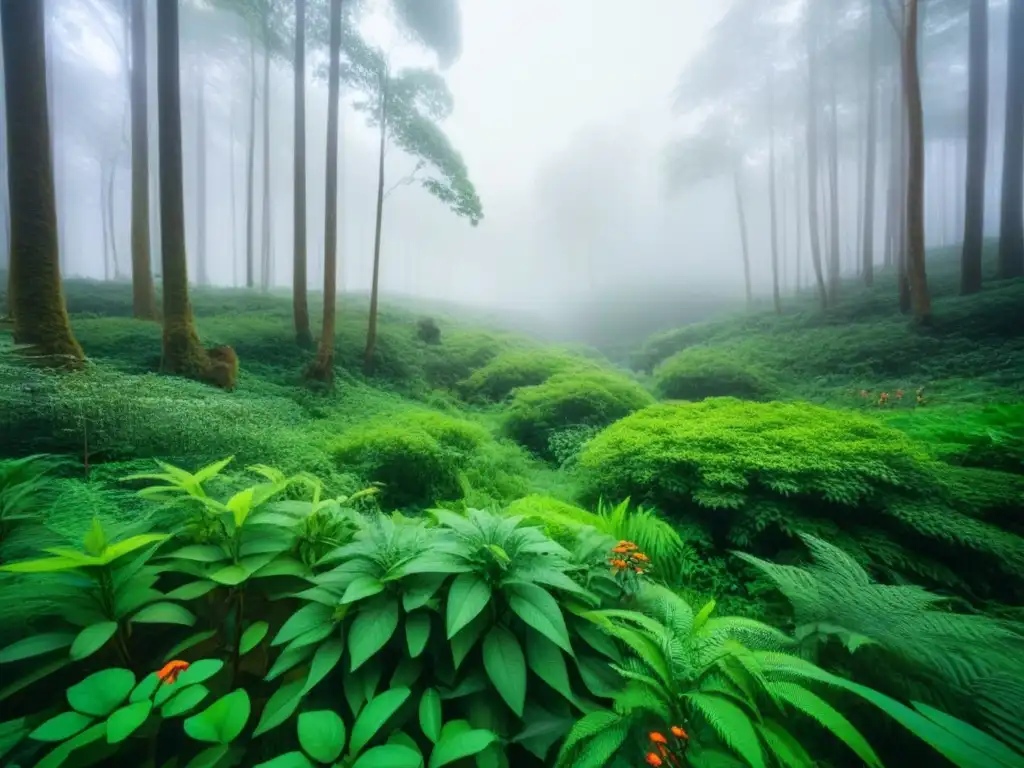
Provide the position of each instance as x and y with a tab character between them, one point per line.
143	294
36	295
182	352
300	302
322	368
977	136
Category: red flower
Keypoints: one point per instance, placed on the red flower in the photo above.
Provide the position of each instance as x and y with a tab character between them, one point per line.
653	759
679	733
169	672
657	738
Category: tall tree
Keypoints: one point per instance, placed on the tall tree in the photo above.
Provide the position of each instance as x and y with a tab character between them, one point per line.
1011	229
143	294
267	254
250	167
36	296
834	265
300	303
771	192
322	367
202	264
183	354
977	136
812	152
871	154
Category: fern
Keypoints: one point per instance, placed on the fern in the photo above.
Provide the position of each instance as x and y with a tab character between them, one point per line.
731	723
787	750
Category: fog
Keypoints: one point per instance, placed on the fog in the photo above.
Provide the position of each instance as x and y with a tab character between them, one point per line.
566	114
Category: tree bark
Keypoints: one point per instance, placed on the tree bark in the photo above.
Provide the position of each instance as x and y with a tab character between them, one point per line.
772	205
812	157
36	295
741	215
111	219
108	272
799	222
834	263
916	273
250	181
300	303
267	255
322	368
867	256
1011	228
234	195
203	276
371	331
977	136
183	354
143	293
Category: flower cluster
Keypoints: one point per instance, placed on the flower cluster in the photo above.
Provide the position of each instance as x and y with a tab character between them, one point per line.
664	752
626	557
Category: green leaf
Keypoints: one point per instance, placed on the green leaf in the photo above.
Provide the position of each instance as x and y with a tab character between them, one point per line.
125	721
231	575
362	587
102	692
464	641
222	721
389	756
91	639
42	565
61	727
306	618
36	645
288	760
406	673
280	706
61	753
184	701
200	670
209	758
325	659
374	715
814	706
540	610
252	637
121	548
430	715
191	591
322	735
371	630
547	662
189	642
417	632
32	677
200	553
469	594
422	588
458	745
732	724
506	666
164	613
145	689
289	659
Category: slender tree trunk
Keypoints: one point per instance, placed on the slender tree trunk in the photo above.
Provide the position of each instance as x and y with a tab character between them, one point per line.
797	206
234	196
300	303
143	294
812	156
267	255
741	215
203	276
1011	228
977	135
835	266
371	331
772	206
108	272
784	227
916	272
111	218
322	368
870	161
183	354
250	182
35	295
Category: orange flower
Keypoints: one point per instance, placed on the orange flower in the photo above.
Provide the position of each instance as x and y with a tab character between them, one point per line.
653	759
620	550
619	563
679	733
169	672
639	570
641	557
657	738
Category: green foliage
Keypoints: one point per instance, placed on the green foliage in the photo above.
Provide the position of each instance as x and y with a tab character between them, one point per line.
585	398
26	488
517	368
700	372
988	436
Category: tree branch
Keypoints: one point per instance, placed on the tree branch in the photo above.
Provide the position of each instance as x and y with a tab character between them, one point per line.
405	181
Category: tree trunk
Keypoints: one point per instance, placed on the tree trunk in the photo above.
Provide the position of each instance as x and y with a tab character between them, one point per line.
108	272
203	276
741	215
250	182
300	304
977	135
799	222
143	294
916	273
111	219
870	161
267	255
772	206
322	368
371	331
234	196
812	158
182	352
36	296
1011	228
835	266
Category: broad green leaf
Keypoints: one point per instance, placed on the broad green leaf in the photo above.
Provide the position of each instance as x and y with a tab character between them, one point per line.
283	566
280	706
95	540
389	756
11	734
231	575
200	670
324	660
164	613
60	754
313	636
362	587
191	591
36	645
322	735
184	701
288	760
121	548
371	630
101	692
240	505
374	715
200	553
547	662
209	758
252	637
506	666
540	610
736	728
91	639
417	632
289	659
468	595
145	689
125	721
61	727
421	589
189	642
467	637
222	721
406	673
306	618
458	745
430	715
42	565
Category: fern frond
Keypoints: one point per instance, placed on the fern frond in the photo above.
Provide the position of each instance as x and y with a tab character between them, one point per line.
786	748
638	696
731	723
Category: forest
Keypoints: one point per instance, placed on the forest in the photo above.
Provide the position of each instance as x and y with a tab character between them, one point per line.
422	383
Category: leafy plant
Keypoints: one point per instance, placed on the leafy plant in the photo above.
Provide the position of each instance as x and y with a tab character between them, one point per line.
699	372
25	487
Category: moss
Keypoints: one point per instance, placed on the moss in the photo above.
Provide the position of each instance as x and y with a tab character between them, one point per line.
518	368
223	370
700	372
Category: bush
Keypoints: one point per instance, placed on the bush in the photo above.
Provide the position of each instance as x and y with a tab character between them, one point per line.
428	331
701	372
590	398
754	475
518	368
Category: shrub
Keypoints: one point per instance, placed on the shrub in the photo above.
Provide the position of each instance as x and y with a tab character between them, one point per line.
462	352
586	398
701	372
427	331
517	368
755	475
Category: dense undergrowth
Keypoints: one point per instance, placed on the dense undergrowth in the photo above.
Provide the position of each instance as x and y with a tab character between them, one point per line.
903	448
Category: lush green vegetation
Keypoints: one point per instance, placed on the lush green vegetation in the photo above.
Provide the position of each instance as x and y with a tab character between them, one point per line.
826	576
